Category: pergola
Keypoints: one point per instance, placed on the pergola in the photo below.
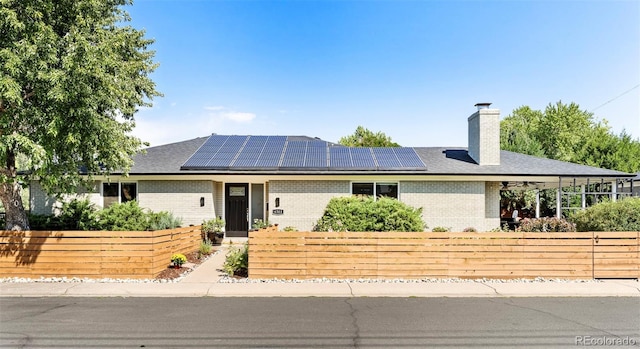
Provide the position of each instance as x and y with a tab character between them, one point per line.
589	189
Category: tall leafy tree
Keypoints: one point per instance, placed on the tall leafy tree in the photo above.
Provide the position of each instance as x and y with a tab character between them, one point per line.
364	137
566	132
72	75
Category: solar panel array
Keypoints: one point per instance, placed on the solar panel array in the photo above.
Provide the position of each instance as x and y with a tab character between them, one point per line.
277	152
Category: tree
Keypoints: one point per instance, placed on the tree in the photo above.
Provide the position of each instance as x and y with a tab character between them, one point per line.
363	137
565	132
72	75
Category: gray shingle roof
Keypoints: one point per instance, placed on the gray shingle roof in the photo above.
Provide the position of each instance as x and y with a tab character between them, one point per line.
165	158
456	161
168	159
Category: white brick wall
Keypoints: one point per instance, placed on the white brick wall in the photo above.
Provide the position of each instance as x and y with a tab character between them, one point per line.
218	197
303	202
492	205
455	205
484	137
182	198
41	203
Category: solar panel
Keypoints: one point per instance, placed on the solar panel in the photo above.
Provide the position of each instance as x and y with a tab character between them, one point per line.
362	158
256	141
317	144
339	157
294	154
267	162
409	158
386	158
316	156
219	162
260	152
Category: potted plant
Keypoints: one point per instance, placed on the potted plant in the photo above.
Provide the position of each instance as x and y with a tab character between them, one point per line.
177	260
212	230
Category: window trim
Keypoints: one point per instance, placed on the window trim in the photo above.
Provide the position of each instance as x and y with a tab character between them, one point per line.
375	184
119	183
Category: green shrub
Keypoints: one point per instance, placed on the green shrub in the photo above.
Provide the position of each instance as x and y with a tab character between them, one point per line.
78	214
260	224
237	261
213	225
126	216
502	229
367	214
469	230
622	215
440	230
163	220
289	228
44	222
205	247
546	224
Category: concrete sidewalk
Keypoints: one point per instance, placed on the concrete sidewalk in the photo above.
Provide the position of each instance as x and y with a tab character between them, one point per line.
204	282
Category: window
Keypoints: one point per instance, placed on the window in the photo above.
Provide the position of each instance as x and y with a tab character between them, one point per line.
113	193
375	189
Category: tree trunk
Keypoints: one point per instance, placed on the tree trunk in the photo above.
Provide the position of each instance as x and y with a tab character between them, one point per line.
15	215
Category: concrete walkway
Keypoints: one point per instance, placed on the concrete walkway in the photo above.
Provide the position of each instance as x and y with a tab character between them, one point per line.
204	282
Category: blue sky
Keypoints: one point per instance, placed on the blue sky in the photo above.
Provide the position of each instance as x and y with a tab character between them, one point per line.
412	69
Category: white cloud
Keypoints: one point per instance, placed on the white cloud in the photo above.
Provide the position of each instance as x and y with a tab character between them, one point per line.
238	116
163	129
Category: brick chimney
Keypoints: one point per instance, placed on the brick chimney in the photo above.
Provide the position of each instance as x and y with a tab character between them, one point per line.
484	135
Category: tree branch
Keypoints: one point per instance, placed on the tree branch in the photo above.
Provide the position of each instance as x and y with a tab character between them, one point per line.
28	95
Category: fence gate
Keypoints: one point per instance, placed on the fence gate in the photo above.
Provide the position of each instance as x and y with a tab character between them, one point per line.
615	255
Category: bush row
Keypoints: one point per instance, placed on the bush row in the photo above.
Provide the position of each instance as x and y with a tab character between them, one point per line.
83	215
368	214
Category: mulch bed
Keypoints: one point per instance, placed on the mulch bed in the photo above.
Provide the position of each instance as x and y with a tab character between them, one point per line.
172	273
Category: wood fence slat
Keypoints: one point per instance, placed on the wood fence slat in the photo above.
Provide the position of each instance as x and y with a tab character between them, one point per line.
394	254
119	254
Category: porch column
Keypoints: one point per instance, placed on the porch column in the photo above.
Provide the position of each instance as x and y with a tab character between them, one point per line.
584	196
537	203
614	191
559	199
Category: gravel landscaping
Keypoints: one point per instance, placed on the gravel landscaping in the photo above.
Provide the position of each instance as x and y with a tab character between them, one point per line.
229	279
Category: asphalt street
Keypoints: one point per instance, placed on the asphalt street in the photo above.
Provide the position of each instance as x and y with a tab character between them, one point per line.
318	322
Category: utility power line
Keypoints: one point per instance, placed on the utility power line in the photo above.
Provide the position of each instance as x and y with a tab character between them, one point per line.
614	98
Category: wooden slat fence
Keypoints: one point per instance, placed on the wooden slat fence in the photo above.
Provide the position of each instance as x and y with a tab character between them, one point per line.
348	255
93	254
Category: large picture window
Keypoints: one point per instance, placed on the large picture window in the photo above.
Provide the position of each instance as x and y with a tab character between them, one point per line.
375	189
113	193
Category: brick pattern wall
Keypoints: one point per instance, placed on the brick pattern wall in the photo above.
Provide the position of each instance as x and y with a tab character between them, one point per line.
491	205
303	202
455	205
41	203
182	198
218	198
484	137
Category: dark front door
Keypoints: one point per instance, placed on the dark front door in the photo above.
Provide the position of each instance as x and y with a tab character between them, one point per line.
237	209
